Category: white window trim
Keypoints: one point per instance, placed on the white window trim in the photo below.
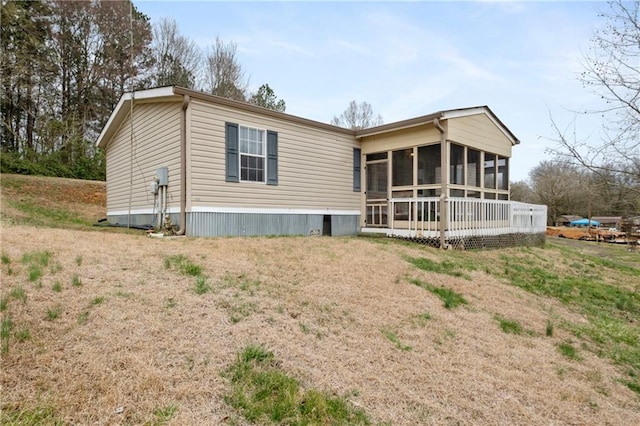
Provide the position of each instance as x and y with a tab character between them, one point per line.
263	156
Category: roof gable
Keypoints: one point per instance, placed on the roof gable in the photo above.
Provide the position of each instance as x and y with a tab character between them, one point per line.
442	116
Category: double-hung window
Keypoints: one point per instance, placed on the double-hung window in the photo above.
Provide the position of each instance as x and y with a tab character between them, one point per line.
252	154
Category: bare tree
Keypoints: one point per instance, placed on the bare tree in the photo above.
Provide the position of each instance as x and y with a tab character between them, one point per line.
521	191
611	70
357	116
563	187
177	59
223	74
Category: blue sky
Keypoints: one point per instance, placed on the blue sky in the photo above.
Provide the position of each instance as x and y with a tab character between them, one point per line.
407	59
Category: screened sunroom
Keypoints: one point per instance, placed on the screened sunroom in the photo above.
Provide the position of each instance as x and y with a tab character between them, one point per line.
442	175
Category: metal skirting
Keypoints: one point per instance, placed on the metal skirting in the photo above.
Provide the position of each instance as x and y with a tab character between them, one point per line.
342	225
141	219
217	224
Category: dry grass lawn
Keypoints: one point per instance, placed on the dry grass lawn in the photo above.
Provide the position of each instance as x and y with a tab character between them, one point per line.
101	328
136	335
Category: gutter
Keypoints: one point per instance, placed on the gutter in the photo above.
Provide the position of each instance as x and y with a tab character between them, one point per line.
444	214
183	165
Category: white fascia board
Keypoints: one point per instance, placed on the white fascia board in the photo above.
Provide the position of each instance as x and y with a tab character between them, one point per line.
158	92
259	210
475	111
124	98
463	112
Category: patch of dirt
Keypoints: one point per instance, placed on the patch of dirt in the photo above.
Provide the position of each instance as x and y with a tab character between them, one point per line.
136	335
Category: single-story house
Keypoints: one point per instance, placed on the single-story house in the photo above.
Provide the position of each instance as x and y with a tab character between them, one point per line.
566	219
609	221
220	167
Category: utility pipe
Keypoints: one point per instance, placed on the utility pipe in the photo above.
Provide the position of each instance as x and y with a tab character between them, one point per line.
183	165
444	216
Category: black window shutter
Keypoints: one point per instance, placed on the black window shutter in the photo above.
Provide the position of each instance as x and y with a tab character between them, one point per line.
272	158
231	145
356	169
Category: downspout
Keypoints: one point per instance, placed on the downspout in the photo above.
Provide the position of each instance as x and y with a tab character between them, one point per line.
183	165
444	216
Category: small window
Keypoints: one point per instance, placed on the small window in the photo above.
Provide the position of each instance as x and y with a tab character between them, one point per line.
252	154
378	156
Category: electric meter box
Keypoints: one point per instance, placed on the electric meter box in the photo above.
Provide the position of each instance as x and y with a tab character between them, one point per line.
153	187
163	176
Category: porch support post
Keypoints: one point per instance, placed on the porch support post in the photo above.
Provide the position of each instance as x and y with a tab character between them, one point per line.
444	197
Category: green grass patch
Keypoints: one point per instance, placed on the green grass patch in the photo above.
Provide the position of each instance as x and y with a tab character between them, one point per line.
612	309
237	310
393	338
76	281
264	394
202	286
31	416
35	272
6	260
447	267
40	258
97	301
634	386
54	313
39	215
22	335
4	303
240	282
78	260
183	265
569	351
449	297
164	414
19	294
57	286
6	325
509	326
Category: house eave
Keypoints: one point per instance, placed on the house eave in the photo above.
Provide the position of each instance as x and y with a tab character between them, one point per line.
123	108
440	115
194	94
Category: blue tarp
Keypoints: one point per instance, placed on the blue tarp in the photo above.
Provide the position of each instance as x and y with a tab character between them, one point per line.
584	222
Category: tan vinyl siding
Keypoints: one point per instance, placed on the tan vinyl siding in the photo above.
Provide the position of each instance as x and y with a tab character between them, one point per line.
406	138
315	166
480	132
156	138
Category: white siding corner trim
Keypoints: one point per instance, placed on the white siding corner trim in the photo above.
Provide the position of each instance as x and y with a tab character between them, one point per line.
201	209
